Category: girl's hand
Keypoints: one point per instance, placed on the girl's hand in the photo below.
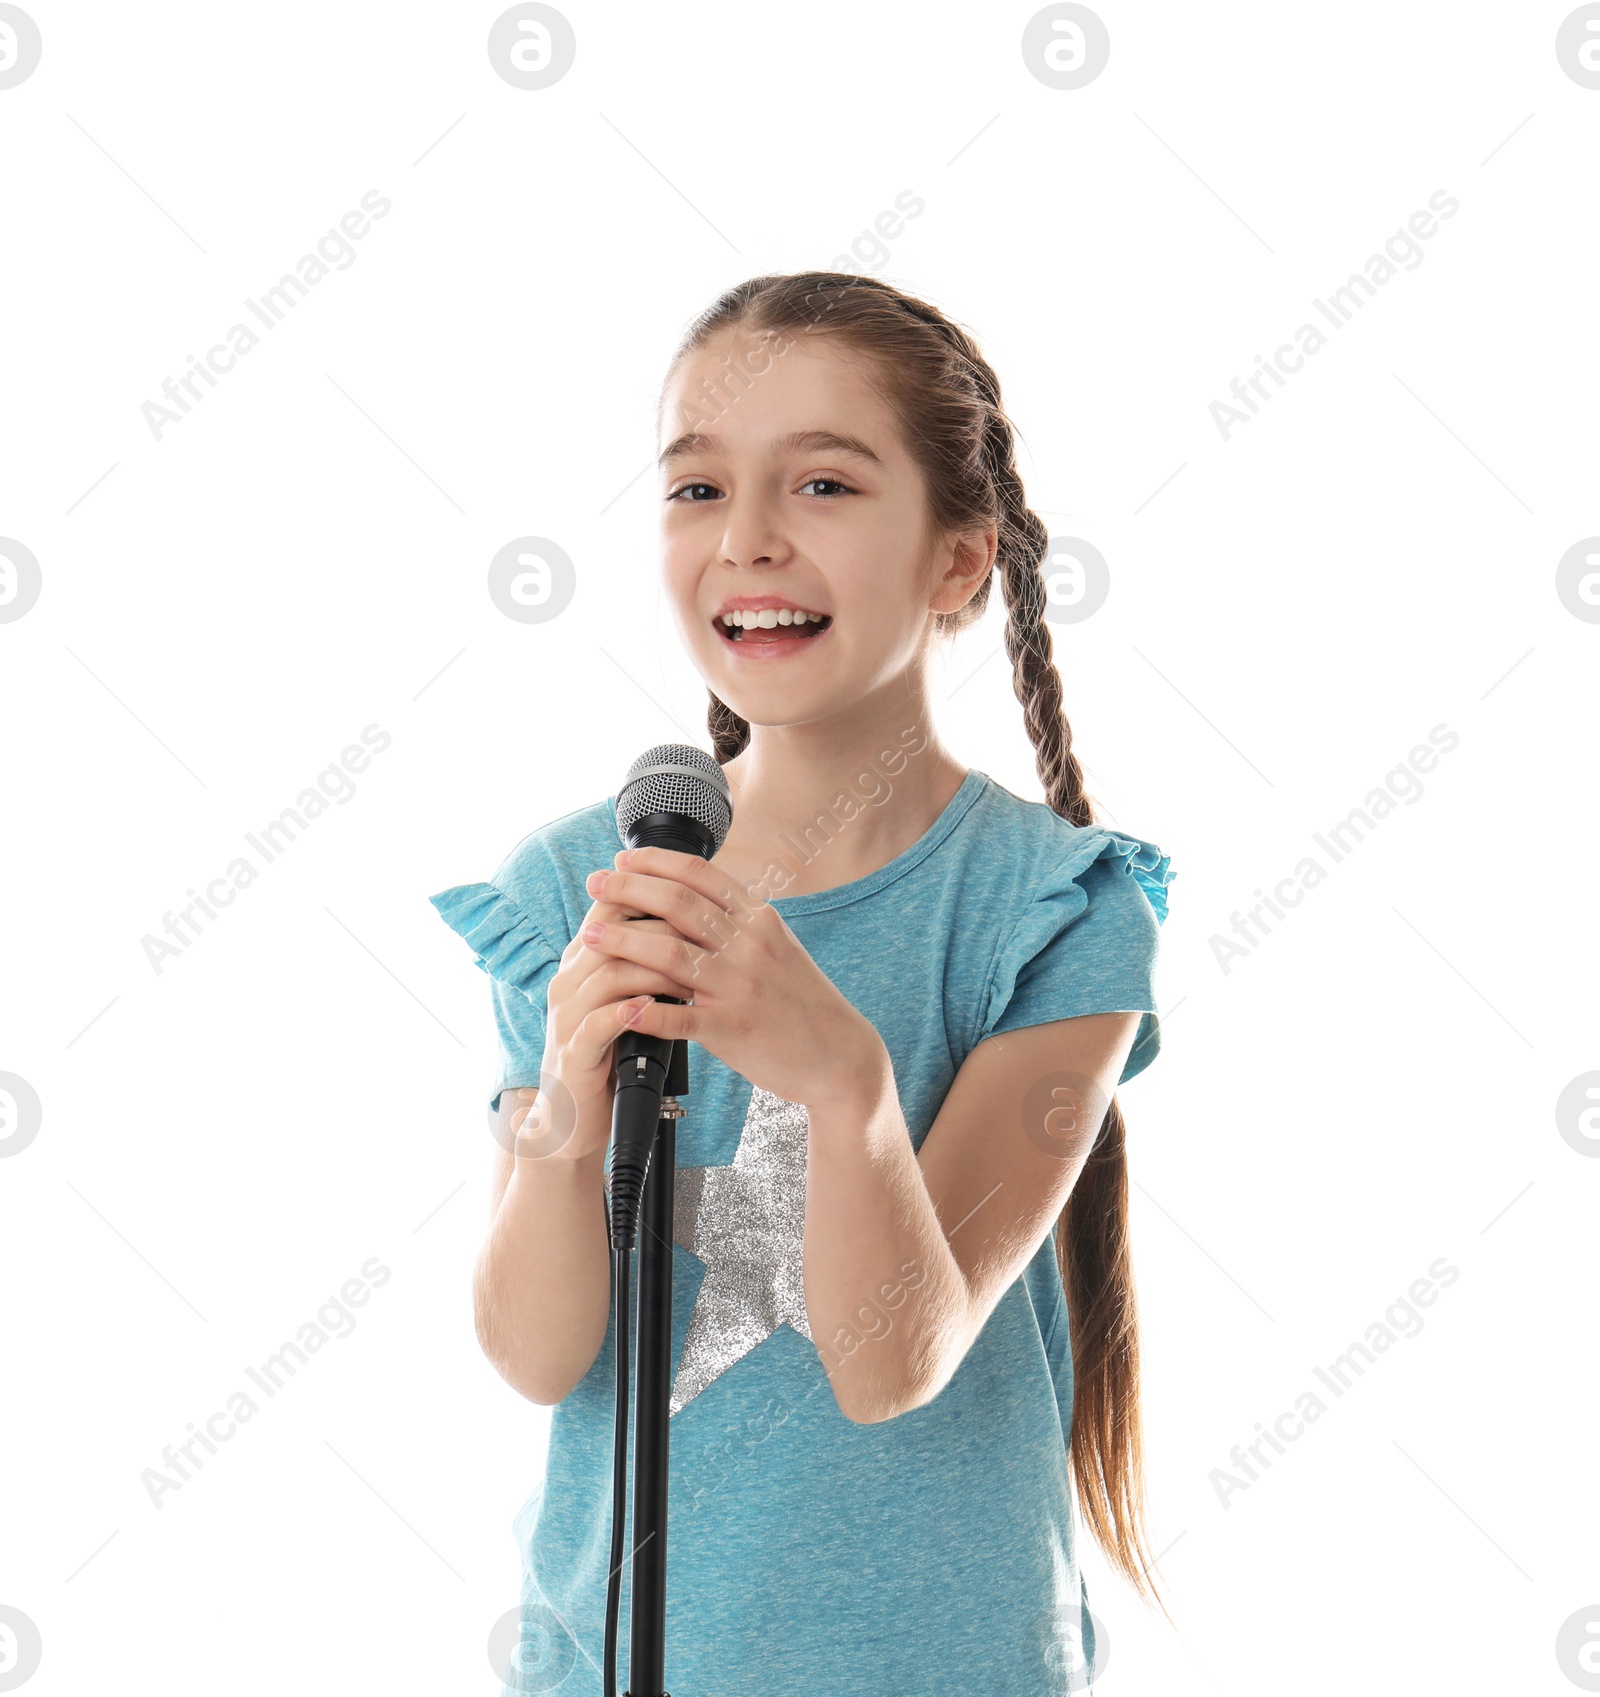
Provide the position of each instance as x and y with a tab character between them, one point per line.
571	1117
762	1006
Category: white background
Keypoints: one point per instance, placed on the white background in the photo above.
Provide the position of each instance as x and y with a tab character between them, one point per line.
223	610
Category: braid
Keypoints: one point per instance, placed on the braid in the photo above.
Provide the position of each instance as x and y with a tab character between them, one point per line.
1034	678
1023	540
729	733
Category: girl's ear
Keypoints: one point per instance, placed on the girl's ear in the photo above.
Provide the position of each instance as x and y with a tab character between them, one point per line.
967	561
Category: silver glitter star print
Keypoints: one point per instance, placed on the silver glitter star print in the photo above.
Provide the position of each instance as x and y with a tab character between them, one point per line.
746	1221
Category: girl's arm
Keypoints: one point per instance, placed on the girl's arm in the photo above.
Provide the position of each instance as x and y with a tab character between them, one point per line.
541	1289
907	1252
541	1294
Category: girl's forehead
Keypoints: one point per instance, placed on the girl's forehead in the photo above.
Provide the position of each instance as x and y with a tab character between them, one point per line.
753	386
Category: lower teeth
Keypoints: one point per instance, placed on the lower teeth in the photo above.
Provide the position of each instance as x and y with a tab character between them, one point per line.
810	630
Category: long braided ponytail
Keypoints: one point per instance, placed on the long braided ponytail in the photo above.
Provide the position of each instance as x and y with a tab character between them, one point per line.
948	398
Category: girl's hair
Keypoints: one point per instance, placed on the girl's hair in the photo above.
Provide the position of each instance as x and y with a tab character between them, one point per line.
947	399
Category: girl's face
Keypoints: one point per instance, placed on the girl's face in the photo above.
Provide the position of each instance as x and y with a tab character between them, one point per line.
798	496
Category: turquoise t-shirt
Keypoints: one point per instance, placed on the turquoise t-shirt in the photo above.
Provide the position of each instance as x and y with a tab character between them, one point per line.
923	1555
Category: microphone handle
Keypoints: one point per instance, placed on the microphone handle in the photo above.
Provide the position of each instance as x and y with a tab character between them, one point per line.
641	1076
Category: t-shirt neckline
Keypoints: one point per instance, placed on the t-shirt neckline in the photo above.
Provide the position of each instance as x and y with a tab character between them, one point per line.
967	792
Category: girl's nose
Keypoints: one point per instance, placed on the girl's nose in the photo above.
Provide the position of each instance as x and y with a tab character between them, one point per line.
751	535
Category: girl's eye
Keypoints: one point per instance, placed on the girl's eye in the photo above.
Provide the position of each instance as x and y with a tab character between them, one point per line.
834	488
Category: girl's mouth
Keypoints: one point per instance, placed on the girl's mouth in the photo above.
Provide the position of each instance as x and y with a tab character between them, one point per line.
751	631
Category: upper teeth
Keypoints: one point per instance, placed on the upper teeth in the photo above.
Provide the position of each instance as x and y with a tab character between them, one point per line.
767	617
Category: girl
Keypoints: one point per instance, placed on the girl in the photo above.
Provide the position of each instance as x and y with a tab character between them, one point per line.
903	1295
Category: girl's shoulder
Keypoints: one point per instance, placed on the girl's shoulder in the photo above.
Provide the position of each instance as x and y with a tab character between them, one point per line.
1083	909
1029	846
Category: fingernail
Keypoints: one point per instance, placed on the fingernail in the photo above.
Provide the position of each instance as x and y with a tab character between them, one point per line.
591	933
631	1011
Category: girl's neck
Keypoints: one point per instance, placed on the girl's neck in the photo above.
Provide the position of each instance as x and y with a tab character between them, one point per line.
828	804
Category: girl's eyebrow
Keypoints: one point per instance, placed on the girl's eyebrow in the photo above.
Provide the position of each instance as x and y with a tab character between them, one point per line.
817	441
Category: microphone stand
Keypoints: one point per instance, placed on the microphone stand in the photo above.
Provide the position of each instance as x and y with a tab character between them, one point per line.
647	1592
652	1072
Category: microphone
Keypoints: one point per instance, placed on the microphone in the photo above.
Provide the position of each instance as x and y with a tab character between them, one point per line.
674	796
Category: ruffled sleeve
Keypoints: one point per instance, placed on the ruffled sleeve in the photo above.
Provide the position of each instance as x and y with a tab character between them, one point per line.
509	945
1088	940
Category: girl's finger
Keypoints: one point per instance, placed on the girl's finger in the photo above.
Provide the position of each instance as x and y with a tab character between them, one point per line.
595	1035
616	978
605	913
592	1041
704	876
668	952
698	916
588	960
660	1019
615	910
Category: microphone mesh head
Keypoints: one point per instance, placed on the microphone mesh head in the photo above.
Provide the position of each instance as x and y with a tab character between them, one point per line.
676	777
